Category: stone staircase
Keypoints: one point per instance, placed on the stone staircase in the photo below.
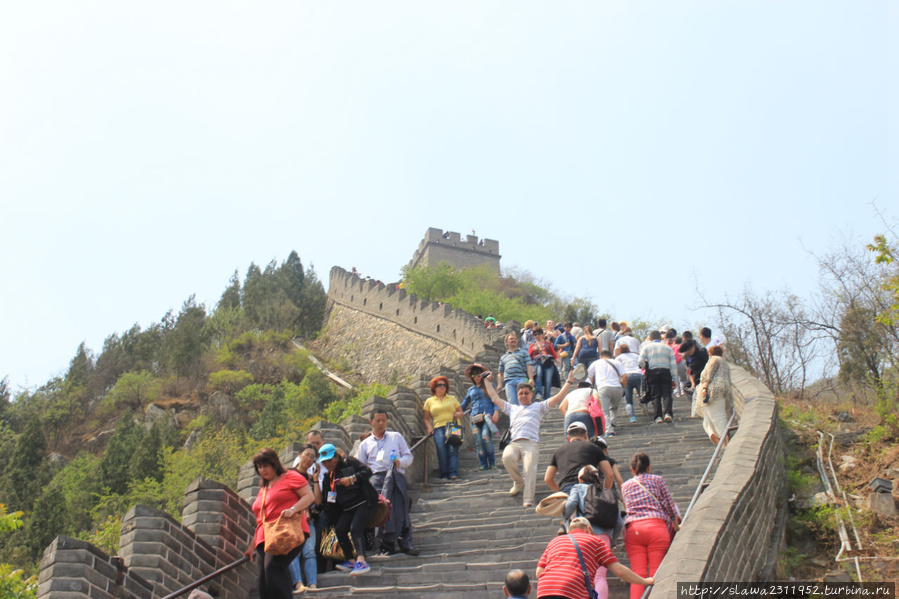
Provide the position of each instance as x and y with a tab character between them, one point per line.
471	532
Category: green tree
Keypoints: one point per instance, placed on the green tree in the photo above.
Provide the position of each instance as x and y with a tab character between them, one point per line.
217	455
231	296
115	464
146	462
14	584
9	521
431	284
80	368
885	255
581	310
4	398
27	470
293	278
188	339
135	390
273	420
313	302
144	349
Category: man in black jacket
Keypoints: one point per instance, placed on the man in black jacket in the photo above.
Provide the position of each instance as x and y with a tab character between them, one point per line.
696	357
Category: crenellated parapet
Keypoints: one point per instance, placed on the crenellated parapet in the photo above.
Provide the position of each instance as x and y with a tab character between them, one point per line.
448	247
453	327
157	554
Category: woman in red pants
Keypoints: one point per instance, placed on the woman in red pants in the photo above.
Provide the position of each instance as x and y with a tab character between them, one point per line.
652	517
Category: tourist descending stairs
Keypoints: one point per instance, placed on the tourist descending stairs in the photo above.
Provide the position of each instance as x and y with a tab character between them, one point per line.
471	532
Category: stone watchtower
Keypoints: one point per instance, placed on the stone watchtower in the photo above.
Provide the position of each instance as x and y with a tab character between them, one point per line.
448	247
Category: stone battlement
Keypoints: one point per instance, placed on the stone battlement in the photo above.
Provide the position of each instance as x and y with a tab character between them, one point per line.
454	327
158	555
439	246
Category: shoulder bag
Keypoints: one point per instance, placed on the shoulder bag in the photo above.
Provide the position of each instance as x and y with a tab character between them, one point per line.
671	530
622	378
505	439
284	534
591	592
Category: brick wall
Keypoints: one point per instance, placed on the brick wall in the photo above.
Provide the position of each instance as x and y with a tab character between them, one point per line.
449	247
733	532
455	328
158	555
72	569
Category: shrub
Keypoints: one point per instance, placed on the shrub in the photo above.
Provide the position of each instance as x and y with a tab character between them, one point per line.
230	381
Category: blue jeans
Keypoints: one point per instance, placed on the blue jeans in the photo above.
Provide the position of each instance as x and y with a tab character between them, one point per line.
447	455
634	383
310	566
484	443
585	419
511	386
543	379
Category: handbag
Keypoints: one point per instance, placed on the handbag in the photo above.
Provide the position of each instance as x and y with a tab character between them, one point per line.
591	592
330	546
284	534
453	434
477	418
382	514
505	439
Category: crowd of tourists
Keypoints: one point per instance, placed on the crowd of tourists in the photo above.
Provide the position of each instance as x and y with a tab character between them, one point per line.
326	511
332	509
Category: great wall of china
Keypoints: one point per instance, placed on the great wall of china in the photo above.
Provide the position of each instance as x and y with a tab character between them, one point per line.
734	533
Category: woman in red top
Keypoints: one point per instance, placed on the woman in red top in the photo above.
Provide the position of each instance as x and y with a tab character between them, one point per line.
285	493
544	357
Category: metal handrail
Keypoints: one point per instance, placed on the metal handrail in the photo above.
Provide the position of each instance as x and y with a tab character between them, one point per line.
208	577
708	470
416	445
705	476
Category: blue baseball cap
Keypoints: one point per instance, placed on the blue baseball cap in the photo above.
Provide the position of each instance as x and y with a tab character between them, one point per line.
326	452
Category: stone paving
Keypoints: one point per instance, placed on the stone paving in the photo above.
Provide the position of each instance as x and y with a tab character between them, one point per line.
471	532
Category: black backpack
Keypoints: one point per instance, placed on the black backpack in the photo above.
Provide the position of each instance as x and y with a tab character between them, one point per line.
601	507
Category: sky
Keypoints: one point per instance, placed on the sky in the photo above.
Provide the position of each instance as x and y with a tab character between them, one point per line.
634	153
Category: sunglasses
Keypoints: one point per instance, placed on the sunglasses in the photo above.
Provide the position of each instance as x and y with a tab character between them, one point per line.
439	385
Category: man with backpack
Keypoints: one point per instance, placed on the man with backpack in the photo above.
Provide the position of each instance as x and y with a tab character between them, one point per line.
574	455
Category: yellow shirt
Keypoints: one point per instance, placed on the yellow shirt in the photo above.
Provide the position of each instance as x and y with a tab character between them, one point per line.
441	409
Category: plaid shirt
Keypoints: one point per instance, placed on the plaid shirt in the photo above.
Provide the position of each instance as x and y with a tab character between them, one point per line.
640	503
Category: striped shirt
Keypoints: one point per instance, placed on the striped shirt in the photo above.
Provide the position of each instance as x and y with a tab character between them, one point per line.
513	364
525	420
653	501
658	355
562	574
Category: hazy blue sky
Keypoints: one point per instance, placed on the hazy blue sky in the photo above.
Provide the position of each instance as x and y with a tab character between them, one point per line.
626	151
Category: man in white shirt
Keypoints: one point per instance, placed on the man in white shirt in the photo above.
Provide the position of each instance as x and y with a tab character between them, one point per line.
627	339
605	336
388	456
524	448
708	340
605	374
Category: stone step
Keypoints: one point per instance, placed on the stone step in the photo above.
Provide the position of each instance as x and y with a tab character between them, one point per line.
471	532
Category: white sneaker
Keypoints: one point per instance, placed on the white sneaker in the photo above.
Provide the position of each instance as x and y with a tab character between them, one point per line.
515	490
